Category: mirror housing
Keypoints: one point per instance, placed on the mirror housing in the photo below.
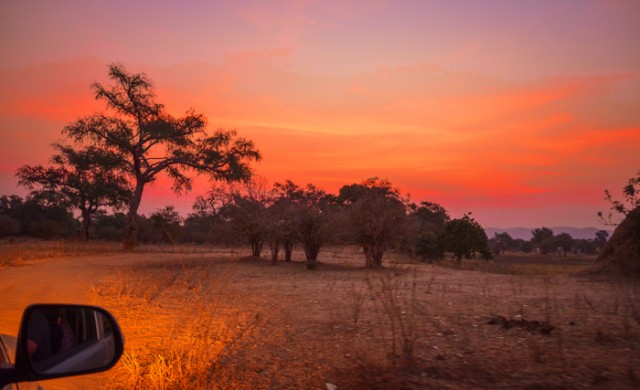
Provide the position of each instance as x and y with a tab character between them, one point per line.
65	340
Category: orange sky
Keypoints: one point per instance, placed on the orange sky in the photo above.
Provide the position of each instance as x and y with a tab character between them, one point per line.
520	114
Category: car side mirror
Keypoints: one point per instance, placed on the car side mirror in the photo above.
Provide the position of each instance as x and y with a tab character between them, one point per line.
65	340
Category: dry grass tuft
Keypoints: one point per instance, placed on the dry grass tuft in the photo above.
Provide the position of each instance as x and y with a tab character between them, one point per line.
177	324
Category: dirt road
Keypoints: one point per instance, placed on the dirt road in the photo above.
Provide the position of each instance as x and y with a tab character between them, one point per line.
63	280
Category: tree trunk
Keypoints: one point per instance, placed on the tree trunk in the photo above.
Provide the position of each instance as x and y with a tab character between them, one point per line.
376	255
372	256
256	247
131	227
86	222
288	249
311	251
274	246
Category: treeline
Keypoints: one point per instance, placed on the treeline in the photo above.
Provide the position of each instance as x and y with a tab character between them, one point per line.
372	214
545	241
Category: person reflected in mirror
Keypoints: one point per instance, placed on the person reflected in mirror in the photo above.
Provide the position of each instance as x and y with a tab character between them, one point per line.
38	336
62	334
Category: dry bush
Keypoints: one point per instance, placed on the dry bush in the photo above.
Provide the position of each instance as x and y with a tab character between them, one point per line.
355	299
397	297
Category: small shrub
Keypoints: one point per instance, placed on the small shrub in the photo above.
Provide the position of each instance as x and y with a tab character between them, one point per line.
8	226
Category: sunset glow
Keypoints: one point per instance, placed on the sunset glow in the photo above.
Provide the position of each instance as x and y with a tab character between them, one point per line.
522	113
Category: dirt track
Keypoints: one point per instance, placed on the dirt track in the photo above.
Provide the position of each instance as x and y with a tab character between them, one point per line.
62	280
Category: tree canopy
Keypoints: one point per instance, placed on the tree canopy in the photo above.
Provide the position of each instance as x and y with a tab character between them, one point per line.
464	236
150	141
376	215
87	179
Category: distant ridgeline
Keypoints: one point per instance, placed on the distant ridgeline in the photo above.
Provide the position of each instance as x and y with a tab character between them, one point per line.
525	233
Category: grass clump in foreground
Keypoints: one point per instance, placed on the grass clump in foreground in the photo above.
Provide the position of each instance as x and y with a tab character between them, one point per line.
224	323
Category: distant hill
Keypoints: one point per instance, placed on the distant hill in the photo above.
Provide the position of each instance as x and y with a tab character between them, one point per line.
525	233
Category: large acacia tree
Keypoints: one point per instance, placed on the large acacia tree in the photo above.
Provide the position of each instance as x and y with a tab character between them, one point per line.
150	141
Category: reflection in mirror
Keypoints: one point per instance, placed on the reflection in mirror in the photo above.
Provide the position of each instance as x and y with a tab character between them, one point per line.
67	339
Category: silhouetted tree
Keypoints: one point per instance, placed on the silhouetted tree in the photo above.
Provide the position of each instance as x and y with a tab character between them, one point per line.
205	223
167	223
501	242
376	213
431	216
8	226
288	199
586	246
422	227
602	236
544	239
430	246
464	237
314	221
110	226
151	141
10	215
42	214
88	179
565	242
247	212
523	245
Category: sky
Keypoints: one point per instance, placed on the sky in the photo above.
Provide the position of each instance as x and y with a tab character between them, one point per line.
521	112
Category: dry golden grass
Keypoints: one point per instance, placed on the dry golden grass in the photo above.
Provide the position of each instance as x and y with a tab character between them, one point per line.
177	323
228	322
16	252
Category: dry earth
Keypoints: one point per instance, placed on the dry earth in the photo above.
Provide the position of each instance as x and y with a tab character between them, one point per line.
223	320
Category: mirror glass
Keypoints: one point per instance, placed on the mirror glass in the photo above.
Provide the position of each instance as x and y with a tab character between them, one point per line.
68	339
